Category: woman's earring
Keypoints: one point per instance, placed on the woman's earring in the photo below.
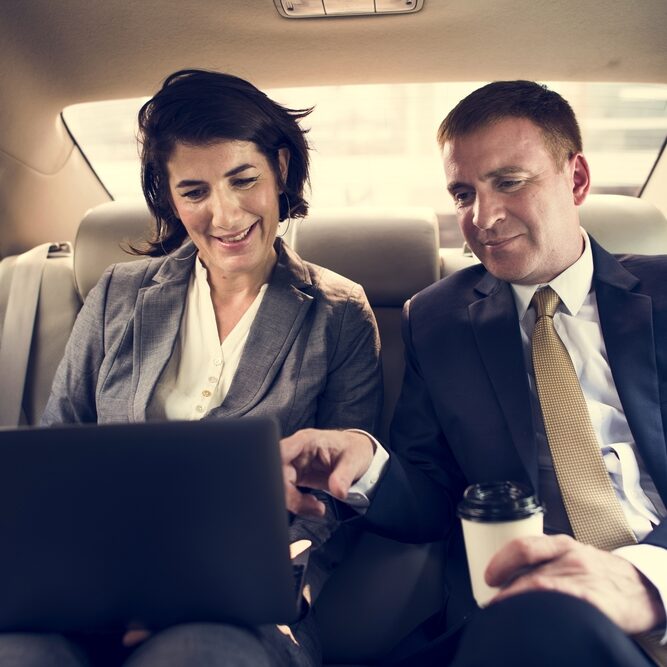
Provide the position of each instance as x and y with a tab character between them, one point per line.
289	216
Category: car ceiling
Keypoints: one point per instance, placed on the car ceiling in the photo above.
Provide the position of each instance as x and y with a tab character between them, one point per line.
106	49
53	54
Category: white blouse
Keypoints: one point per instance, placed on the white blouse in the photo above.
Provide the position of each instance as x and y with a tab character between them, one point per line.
200	369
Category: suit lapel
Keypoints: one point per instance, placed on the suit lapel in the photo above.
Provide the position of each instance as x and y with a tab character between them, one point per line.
627	325
157	323
277	323
498	337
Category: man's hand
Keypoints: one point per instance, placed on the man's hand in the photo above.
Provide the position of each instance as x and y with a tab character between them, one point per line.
559	563
326	460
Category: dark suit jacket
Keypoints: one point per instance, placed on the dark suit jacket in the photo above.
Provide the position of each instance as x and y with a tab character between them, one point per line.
464	414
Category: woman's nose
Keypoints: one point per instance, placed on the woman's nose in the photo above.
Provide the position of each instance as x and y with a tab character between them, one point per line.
226	213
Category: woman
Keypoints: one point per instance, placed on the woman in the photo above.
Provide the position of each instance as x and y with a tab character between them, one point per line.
223	319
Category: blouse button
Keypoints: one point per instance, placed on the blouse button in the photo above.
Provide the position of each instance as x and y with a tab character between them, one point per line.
206	393
200	408
213	379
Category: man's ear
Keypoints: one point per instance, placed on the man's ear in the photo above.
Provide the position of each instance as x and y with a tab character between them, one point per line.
581	178
283	163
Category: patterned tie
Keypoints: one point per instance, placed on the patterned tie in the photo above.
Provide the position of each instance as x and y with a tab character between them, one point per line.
592	507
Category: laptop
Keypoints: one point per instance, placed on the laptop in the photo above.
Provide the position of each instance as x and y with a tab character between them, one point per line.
150	524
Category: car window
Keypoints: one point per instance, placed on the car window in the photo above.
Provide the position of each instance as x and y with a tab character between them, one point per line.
374	145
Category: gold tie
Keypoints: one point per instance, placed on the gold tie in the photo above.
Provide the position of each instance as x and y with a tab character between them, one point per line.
592	507
591	504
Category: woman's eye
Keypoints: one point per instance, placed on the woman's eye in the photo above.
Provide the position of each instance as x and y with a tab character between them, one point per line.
193	195
244	183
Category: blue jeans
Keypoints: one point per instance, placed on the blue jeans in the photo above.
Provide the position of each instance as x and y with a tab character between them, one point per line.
209	644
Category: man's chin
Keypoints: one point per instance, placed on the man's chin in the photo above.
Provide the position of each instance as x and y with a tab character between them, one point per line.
509	273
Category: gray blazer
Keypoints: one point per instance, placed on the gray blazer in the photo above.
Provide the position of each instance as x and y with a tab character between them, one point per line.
311	358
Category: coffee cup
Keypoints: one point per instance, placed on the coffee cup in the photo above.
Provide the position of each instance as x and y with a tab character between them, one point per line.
491	515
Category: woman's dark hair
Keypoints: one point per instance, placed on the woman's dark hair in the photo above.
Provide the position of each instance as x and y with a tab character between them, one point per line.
517	99
199	107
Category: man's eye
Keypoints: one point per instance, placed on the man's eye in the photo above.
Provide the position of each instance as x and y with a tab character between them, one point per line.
509	184
462	197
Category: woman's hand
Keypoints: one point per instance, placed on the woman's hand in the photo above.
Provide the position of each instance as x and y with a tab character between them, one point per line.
135	636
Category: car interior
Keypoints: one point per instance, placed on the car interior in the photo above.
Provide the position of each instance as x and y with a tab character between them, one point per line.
61	224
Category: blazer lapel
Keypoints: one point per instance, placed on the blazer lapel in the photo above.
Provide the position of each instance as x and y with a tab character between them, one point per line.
277	323
627	325
157	323
498	337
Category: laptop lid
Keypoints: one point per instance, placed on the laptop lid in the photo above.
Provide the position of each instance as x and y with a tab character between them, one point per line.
152	524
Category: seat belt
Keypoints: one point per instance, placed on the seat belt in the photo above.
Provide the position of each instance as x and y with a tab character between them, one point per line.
18	328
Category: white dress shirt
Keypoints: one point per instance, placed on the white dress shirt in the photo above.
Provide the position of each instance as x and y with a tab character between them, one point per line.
577	323
200	369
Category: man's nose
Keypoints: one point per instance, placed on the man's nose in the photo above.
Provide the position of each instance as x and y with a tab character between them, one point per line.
487	211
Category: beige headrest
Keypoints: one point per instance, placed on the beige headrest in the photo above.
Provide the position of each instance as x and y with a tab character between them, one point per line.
392	253
102	233
625	224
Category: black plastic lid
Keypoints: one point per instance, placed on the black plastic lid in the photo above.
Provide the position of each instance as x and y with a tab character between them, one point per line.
498	501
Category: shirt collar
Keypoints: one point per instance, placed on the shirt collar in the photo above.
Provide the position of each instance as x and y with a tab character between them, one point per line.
201	274
572	285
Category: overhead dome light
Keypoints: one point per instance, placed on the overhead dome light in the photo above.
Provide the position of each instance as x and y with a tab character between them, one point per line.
303	9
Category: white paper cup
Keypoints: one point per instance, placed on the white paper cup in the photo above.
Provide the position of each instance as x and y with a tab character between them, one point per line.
491	515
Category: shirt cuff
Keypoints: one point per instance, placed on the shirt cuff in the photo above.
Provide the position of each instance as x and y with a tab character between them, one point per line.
360	493
651	561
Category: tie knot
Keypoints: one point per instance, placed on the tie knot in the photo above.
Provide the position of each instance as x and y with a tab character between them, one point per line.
545	302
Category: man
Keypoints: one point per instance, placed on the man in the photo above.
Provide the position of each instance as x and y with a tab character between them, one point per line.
470	410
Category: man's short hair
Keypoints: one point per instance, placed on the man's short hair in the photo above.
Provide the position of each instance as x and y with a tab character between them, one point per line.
517	99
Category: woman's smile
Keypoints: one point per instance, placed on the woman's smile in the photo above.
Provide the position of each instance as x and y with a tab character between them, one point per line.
236	239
